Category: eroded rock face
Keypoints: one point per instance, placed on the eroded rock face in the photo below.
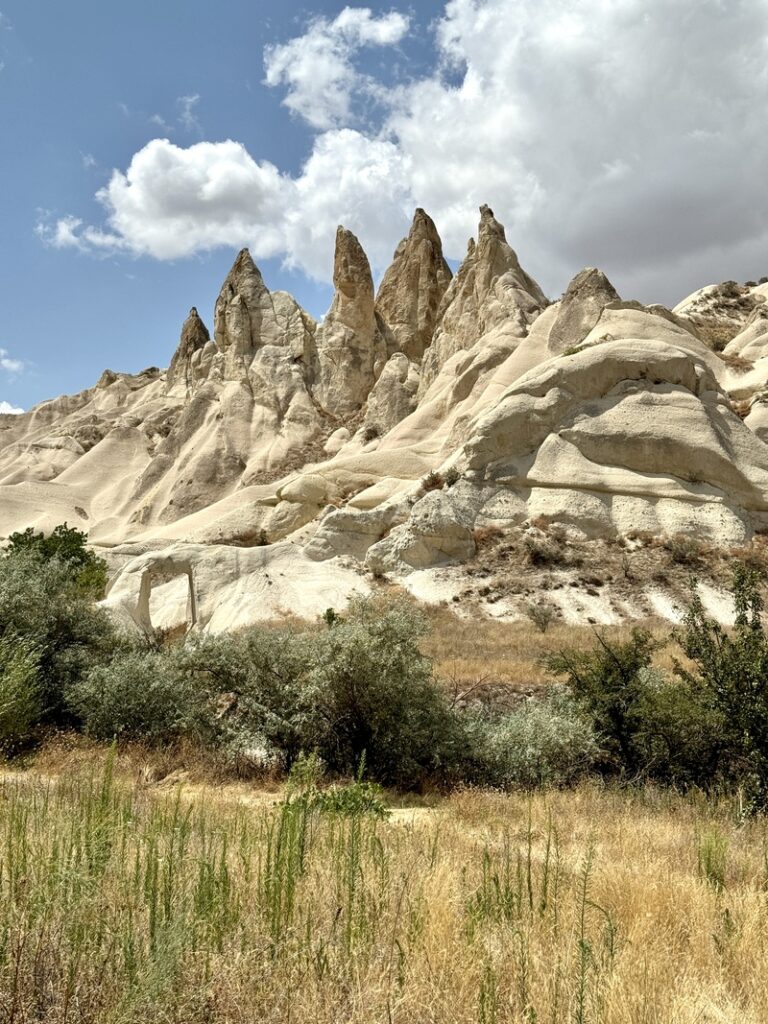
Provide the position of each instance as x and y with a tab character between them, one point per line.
490	288
720	311
393	396
595	413
350	348
580	307
194	337
412	289
248	316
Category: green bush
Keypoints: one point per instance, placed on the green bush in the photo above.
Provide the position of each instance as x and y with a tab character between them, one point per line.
20	703
43	604
546	742
141	695
608	683
358	798
730	679
359	688
66	545
372	693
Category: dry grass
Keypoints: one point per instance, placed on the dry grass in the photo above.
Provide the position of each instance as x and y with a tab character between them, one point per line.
468	651
468	645
121	903
737	363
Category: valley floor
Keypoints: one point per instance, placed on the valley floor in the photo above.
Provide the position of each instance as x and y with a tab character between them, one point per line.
126	896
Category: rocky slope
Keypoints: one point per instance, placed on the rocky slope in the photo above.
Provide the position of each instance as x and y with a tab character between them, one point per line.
285	462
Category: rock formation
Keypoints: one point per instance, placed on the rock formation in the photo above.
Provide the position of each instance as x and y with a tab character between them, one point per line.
350	348
412	289
490	289
283	460
186	358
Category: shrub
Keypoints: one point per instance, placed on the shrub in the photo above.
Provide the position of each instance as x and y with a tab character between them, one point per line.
66	545
542	615
546	742
45	607
484	536
359	688
607	682
452	476
370	432
730	676
541	551
356	799
683	549
373	694
142	695
708	726
20	704
433	481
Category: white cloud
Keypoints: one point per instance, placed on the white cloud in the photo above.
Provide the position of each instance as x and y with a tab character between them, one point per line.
10	365
317	68
187	116
624	133
6	409
161	123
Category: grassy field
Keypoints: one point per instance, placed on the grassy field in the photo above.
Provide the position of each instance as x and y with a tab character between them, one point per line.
479	652
127	902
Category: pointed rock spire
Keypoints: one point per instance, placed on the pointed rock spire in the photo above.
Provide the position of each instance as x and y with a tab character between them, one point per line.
489	289
248	316
412	288
194	336
580	307
350	349
239	308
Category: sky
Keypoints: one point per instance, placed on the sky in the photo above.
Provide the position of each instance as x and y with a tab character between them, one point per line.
143	144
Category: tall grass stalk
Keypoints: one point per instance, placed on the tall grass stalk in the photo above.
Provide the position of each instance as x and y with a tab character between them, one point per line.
121	904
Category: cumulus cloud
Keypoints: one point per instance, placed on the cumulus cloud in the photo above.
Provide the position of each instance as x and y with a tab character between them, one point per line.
6	409
624	133
317	67
10	365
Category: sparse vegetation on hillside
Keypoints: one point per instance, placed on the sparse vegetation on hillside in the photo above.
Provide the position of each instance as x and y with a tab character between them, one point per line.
361	687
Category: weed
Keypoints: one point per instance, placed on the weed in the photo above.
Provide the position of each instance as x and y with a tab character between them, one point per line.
433	481
485	536
712	857
542	615
543	552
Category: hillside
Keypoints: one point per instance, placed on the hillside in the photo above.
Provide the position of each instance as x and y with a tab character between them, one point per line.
284	463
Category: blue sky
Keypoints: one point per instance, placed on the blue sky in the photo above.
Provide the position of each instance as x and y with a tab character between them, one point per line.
144	143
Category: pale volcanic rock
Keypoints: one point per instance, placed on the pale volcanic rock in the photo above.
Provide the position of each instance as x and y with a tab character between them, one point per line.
229	588
350	348
412	289
598	414
393	396
752	341
248	316
580	308
720	311
490	288
194	337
